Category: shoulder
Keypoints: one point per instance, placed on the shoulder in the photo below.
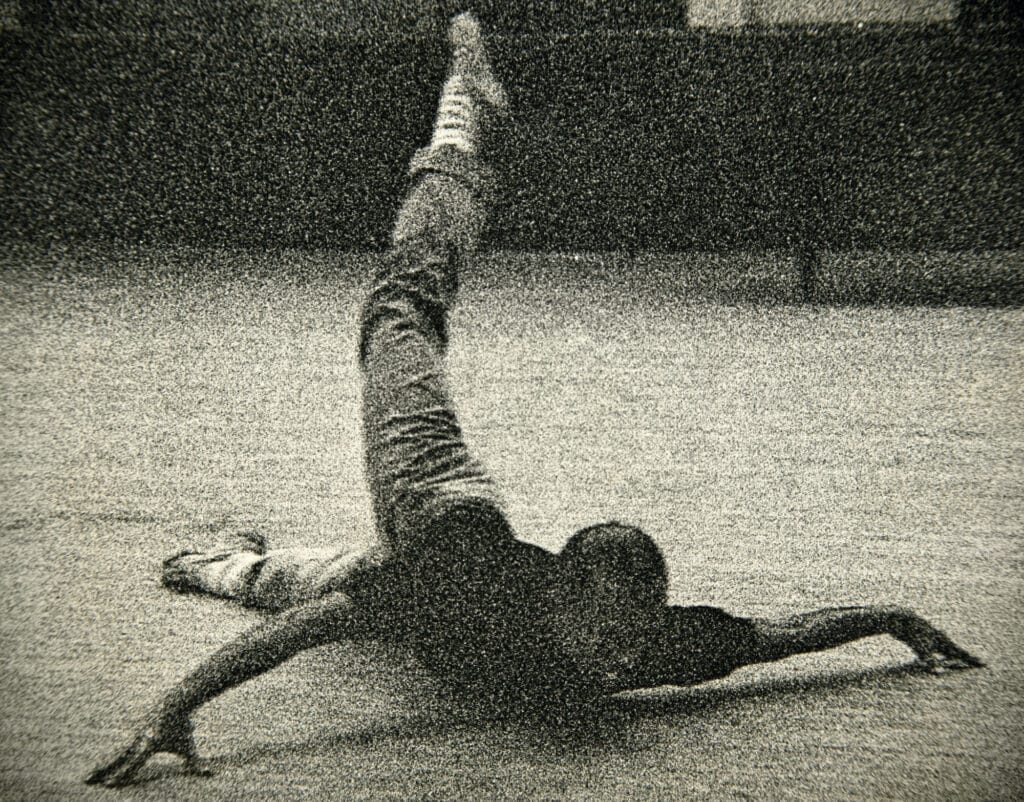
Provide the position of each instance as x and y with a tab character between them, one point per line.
706	629
700	643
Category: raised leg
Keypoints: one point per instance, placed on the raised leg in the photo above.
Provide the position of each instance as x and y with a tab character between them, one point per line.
418	465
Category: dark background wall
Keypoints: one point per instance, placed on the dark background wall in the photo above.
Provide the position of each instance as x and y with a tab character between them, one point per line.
256	124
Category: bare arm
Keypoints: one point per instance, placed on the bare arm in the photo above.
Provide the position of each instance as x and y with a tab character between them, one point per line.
776	639
168	728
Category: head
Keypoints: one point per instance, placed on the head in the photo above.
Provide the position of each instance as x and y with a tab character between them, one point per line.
614	588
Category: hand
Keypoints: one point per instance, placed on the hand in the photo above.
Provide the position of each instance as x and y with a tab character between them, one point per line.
936	653
944	662
161	733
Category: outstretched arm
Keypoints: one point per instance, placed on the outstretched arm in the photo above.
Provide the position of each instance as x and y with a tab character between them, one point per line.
167	726
831	627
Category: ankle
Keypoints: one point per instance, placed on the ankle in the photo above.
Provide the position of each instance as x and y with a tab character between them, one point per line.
465	167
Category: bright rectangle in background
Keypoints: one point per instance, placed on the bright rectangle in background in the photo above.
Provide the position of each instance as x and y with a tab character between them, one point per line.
718	13
776	12
728	13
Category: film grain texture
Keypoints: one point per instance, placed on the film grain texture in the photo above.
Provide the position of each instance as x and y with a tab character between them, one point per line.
784	458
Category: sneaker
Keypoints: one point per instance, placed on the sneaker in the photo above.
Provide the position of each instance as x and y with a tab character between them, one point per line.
178	572
469	60
472	100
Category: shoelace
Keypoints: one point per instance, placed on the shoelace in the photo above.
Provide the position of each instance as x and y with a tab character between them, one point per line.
456	120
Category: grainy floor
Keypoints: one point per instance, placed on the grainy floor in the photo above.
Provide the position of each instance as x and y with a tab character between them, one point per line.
784	457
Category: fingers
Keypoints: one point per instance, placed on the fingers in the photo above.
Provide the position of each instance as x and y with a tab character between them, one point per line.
100	775
122	770
945	647
943	664
937	653
962	660
961	655
197	767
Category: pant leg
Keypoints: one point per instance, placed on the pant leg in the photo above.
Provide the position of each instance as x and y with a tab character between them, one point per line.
274	581
418	465
287	577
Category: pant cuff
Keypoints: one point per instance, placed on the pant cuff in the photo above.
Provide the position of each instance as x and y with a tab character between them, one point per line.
454	163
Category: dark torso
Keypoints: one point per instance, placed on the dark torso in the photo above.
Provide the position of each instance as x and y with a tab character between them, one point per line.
479	618
485	628
694	645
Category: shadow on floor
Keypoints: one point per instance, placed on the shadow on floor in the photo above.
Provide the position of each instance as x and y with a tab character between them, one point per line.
611	726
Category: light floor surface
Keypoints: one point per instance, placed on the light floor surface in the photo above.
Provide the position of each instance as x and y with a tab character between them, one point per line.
784	457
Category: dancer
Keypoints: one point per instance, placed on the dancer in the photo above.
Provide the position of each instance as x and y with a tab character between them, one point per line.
447	577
